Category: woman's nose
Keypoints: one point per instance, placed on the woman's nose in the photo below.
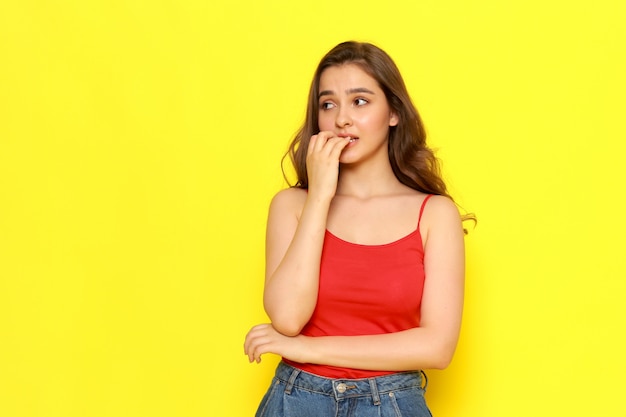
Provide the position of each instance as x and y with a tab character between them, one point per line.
343	118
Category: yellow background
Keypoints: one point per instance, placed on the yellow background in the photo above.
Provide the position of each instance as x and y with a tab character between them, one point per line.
140	145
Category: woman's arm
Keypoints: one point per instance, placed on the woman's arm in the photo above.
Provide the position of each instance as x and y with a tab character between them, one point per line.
295	236
429	346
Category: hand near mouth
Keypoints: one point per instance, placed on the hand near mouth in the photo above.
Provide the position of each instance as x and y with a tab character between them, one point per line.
322	162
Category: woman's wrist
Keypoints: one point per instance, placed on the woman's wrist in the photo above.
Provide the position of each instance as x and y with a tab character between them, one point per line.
304	349
323	197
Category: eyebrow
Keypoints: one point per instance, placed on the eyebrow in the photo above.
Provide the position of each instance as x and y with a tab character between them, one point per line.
349	91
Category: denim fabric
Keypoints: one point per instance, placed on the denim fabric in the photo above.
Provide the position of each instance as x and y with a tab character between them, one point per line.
295	393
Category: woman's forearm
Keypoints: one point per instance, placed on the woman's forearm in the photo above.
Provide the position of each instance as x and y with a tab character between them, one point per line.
412	349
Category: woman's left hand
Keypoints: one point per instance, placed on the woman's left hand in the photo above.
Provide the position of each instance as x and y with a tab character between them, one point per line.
263	338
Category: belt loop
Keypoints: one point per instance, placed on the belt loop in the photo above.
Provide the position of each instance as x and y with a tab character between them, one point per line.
425	381
374	389
292	379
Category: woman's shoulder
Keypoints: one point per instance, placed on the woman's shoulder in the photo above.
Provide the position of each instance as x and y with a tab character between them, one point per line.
440	205
289	200
290	195
440	211
440	201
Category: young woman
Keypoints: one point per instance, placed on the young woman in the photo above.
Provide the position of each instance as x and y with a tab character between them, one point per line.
364	255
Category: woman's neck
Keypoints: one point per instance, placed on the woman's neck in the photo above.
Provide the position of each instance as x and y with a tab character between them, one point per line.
364	181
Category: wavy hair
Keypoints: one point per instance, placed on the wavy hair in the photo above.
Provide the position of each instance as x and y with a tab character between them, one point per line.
413	162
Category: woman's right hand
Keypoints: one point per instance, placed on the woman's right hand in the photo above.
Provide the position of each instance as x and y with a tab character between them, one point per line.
322	163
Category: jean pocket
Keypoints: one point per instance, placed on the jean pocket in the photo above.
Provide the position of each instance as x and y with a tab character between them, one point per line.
409	403
305	403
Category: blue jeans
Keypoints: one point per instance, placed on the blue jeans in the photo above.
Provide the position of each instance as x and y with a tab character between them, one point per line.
295	393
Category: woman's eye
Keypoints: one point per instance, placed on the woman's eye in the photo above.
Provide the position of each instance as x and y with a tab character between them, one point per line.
360	101
326	106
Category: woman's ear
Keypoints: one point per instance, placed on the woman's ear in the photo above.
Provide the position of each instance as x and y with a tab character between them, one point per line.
393	120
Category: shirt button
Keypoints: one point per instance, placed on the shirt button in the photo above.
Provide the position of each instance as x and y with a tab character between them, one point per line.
341	388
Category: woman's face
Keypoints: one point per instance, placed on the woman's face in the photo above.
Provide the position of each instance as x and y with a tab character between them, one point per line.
351	103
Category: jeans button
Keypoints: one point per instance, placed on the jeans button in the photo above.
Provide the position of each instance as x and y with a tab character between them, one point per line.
341	388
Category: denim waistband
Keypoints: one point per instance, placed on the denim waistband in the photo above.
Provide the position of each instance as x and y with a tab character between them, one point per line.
349	388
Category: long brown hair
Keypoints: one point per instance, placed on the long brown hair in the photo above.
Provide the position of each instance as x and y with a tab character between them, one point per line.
413	163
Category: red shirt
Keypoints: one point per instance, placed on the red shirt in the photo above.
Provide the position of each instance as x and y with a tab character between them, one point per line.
366	290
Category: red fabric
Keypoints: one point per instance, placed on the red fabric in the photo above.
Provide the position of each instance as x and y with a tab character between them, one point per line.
365	290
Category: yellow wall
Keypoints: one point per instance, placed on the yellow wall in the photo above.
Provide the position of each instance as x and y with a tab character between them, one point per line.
140	145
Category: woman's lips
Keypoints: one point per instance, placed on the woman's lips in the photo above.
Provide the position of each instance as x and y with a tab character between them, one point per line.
350	137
